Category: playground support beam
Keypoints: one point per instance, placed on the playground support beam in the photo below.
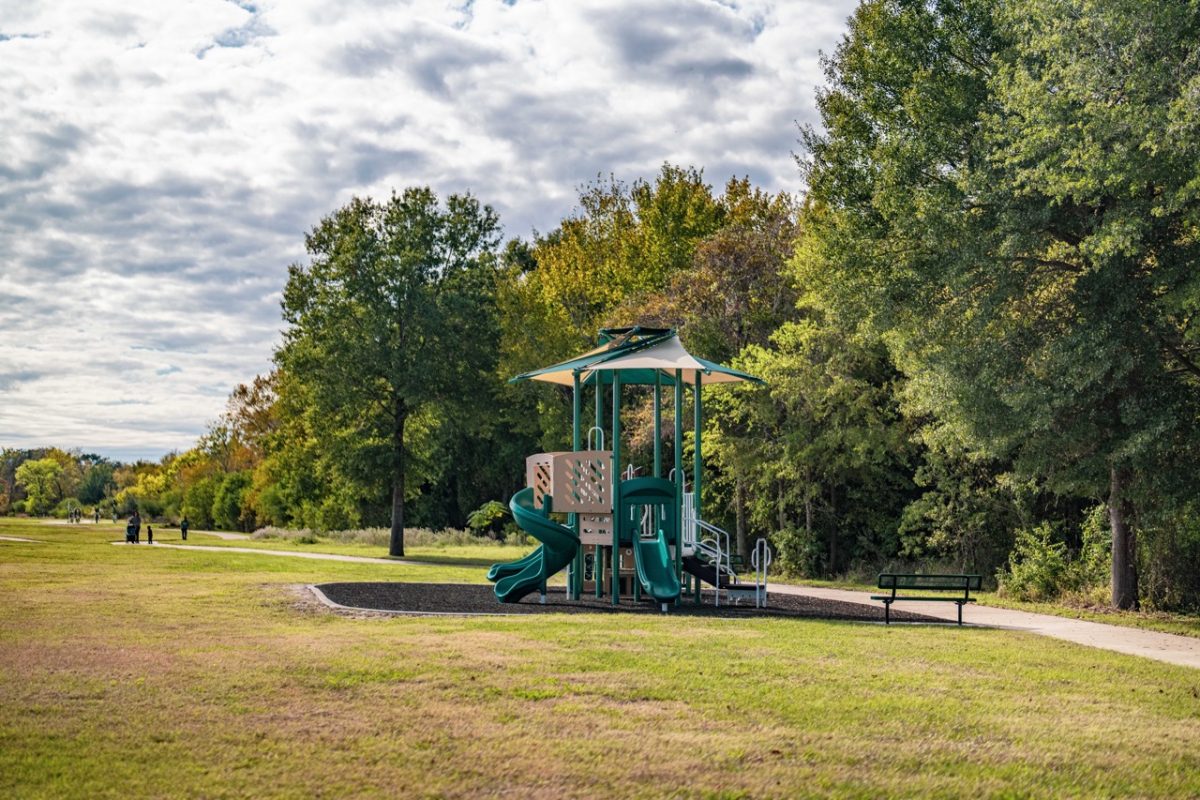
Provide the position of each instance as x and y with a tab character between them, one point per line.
679	468
599	405
575	582
598	560
657	424
697	461
616	493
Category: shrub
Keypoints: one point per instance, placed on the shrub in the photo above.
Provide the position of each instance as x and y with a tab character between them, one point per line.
1169	568
378	537
798	553
1037	565
488	518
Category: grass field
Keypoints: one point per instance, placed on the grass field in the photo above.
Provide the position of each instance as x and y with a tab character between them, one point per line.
130	672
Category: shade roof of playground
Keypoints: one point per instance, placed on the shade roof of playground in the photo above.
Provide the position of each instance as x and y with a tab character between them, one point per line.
638	355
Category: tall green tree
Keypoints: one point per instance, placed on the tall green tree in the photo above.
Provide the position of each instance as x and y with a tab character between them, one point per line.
389	329
40	479
1007	192
824	450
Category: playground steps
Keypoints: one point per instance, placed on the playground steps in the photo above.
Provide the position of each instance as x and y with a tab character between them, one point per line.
707	572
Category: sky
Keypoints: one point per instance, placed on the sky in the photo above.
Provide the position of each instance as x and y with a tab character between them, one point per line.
160	162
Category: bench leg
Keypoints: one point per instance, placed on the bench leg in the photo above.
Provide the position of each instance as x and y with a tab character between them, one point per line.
887	612
960	605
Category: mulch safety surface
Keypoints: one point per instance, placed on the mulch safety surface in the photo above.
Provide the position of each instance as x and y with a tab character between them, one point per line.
462	598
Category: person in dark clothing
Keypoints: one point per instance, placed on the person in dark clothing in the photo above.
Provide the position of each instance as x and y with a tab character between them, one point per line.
149	534
135	522
183	526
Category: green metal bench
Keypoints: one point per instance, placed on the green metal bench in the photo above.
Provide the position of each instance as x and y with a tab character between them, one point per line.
926	583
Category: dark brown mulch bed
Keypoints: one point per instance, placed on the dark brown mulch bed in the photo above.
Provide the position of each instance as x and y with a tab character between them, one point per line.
461	598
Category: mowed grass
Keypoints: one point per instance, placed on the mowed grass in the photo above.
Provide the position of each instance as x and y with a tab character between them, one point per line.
156	672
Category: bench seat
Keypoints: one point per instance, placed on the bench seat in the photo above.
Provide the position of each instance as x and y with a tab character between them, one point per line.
931	582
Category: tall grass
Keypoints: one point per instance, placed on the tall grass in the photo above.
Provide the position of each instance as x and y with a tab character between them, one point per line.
379	537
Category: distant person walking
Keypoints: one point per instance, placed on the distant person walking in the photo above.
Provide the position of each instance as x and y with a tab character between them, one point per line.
149	534
183	526
96	515
135	522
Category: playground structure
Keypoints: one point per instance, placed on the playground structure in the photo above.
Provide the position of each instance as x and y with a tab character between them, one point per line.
625	535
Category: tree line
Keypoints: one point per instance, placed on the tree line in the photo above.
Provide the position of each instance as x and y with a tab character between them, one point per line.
976	324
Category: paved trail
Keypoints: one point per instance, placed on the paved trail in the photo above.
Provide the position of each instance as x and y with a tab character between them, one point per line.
1169	647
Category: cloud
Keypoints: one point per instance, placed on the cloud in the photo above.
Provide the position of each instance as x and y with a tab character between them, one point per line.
161	163
10	379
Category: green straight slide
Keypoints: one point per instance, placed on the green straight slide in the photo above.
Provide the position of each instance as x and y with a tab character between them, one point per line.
559	546
656	568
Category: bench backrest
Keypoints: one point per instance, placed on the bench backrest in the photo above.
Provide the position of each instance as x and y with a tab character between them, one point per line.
891	580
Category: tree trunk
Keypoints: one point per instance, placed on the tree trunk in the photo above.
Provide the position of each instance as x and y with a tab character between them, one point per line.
396	544
833	531
781	509
808	514
1124	542
743	546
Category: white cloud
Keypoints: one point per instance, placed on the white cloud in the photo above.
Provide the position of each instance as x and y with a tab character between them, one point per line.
162	162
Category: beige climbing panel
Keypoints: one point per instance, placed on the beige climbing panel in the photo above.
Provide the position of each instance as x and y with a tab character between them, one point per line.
579	482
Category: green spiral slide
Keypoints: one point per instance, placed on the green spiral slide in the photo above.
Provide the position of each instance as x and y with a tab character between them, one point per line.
516	579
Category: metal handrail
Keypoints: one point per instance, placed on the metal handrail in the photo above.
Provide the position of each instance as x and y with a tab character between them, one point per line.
598	430
721	552
760	564
712	548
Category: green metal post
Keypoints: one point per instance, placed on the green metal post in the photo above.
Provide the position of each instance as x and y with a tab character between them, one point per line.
599	401
575	584
598	567
697	464
616	493
599	559
657	424
679	466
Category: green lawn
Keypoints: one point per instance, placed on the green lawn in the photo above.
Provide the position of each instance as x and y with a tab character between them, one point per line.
155	672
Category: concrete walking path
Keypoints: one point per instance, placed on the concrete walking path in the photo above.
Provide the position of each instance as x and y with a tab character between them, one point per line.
226	535
264	552
19	539
1169	647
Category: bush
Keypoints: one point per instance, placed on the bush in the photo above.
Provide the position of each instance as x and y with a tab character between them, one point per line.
1037	565
488	518
1170	561
63	509
798	554
377	537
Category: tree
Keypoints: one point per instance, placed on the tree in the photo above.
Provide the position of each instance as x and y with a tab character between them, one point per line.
735	292
97	482
823	447
228	504
1007	194
40	479
387	330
